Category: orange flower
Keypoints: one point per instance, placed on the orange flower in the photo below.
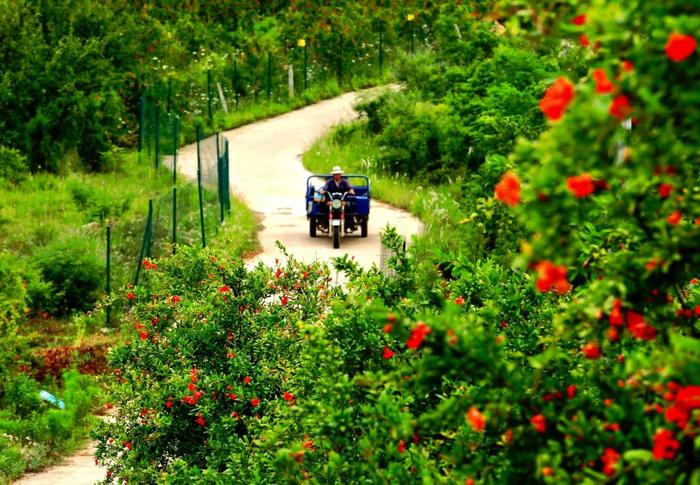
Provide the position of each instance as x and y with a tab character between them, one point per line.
476	420
508	189
602	83
680	46
557	98
675	218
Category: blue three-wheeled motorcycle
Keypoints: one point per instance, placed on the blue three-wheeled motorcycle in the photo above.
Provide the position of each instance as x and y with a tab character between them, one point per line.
337	214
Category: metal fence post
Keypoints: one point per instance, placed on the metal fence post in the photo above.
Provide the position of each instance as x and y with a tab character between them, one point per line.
269	75
306	59
211	114
226	172
199	186
381	52
220	179
145	242
142	122
169	98
176	138
157	136
108	307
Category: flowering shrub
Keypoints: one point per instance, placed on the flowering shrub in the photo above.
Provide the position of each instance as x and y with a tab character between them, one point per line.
580	362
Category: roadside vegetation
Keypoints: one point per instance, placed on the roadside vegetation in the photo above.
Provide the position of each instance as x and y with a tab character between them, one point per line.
544	329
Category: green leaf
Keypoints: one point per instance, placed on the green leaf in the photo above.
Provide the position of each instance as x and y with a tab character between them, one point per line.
681	343
637	455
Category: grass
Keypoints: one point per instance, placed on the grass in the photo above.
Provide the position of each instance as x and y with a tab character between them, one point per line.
350	147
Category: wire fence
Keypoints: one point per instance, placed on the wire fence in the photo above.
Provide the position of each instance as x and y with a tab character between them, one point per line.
193	214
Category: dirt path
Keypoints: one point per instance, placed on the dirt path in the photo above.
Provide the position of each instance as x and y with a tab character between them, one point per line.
267	173
78	469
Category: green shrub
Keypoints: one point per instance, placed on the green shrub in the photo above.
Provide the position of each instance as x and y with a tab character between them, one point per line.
74	272
13	165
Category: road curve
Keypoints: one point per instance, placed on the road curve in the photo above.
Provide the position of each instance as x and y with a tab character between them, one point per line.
267	174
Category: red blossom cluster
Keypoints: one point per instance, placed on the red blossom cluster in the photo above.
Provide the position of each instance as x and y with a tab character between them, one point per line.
418	334
610	459
508	189
149	265
557	98
551	277
635	321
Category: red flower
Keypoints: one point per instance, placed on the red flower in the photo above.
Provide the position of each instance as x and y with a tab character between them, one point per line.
247	379
539	422
591	351
620	107
675	218
581	185
547	471
175	299
551	276
417	335
610	458
387	328
200	420
169	403
638	327
675	414
665	190
459	300
224	289
508	189
284	300
288	396
602	83
616	318
680	46
127	445
627	66
583	40
143	334
571	391
476	420
579	19
278	273
192	386
665	445
557	98
688	398
388	353
130	296
401	446
254	402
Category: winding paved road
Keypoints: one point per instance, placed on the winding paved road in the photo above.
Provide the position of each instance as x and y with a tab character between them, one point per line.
267	173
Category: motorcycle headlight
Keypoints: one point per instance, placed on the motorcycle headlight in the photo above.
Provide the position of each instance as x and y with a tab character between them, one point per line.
336	204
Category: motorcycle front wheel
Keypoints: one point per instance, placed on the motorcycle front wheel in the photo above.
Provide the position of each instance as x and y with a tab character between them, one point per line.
336	237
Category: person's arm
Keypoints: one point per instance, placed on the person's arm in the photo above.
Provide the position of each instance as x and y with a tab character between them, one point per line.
351	190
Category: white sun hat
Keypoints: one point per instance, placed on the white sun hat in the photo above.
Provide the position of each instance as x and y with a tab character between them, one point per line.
336	170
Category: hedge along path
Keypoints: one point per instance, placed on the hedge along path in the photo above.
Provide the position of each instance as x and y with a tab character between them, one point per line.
268	175
266	172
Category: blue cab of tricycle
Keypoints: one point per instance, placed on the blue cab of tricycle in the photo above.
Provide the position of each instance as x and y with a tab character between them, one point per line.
356	210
